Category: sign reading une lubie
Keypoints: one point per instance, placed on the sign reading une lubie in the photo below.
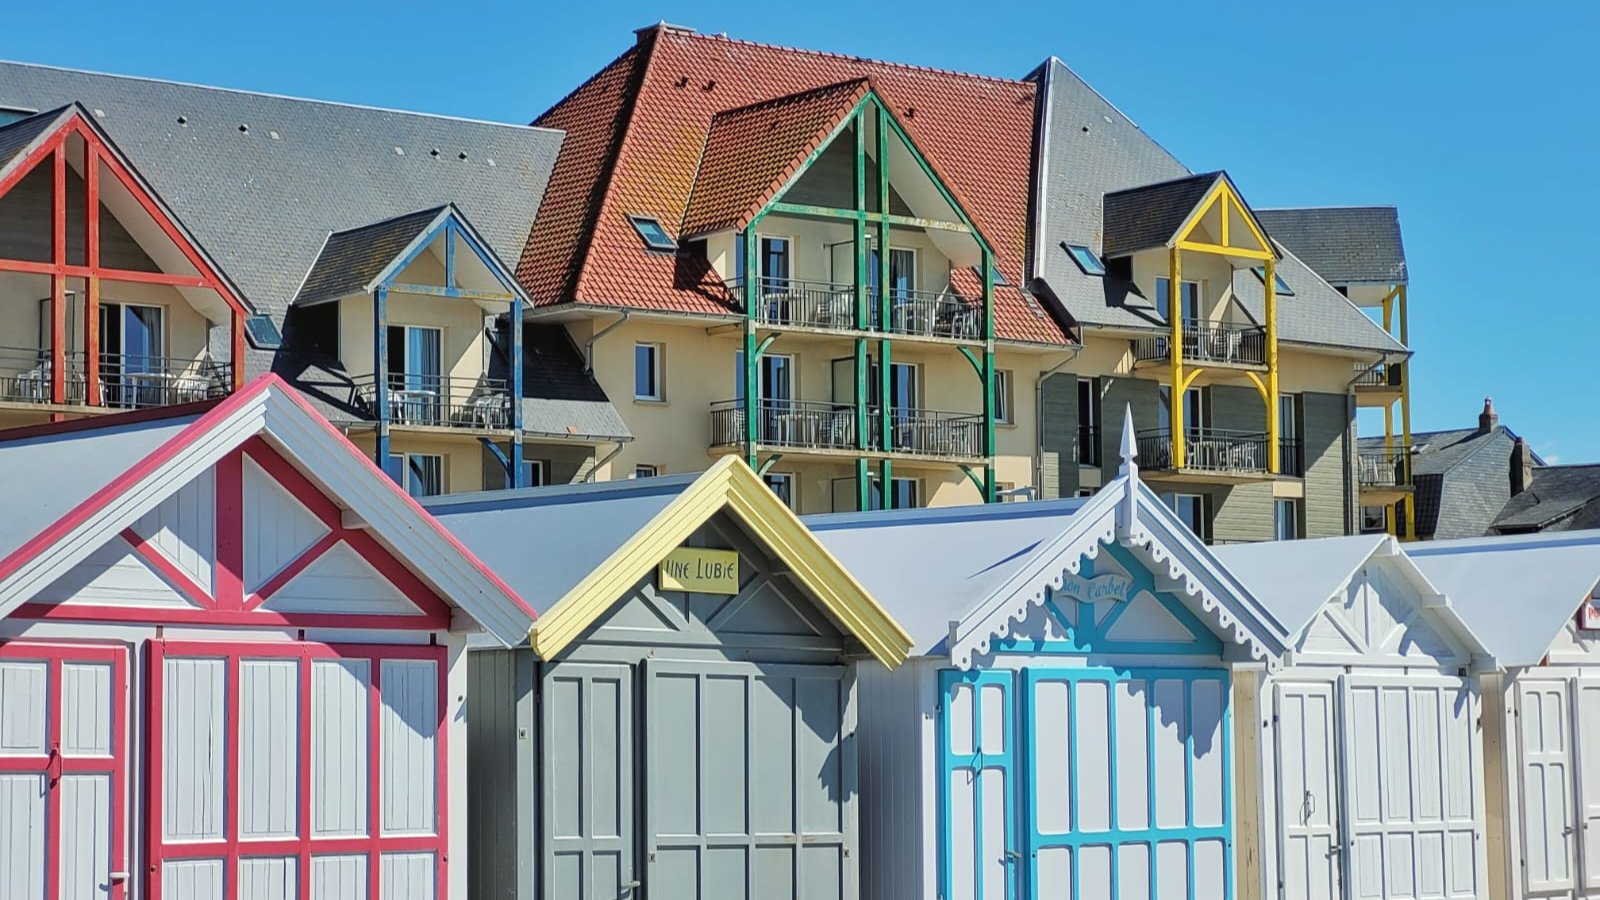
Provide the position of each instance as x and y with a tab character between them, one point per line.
699	571
1110	586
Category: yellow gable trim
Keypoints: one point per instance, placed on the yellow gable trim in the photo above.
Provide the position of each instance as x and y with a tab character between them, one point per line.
1223	194
732	485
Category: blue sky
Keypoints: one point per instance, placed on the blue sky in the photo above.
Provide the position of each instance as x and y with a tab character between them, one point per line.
1477	120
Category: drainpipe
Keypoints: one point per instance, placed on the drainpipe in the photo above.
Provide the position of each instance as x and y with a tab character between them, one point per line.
588	346
1038	417
604	460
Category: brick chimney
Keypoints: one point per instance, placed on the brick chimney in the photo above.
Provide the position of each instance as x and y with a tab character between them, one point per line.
1521	467
1488	419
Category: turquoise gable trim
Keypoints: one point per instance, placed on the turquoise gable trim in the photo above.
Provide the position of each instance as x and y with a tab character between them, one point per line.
1093	637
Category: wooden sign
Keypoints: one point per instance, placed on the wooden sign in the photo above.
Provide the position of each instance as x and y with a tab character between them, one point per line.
1110	586
699	571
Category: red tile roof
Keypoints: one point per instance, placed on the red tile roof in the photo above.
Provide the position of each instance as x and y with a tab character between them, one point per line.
638	131
753	151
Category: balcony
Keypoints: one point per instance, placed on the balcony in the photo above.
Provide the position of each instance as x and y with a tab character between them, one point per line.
1214	343
1210	454
127	381
439	401
831	428
1087	448
1384	474
1378	385
1291	459
831	306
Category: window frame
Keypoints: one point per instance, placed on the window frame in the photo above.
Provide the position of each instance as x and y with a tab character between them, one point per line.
1005	386
1202	509
646	470
1094	267
777	285
793	500
1164	311
1294	506
658	372
405	471
1089	387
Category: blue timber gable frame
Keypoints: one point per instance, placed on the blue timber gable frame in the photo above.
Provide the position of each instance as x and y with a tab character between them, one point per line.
456	232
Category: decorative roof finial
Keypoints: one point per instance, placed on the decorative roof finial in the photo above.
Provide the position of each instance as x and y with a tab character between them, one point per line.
1130	447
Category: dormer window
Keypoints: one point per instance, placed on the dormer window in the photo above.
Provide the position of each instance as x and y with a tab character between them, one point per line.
1086	259
263	333
655	237
1282	287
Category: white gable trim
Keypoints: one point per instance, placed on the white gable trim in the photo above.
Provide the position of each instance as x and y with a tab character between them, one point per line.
1131	514
271	409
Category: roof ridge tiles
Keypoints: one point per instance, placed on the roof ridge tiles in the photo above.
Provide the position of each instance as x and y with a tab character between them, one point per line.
796	96
678	31
1196	176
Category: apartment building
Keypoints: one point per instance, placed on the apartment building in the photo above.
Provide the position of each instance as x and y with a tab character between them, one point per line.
881	285
160	242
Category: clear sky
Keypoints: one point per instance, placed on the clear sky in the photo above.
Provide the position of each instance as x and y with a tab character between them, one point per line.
1478	121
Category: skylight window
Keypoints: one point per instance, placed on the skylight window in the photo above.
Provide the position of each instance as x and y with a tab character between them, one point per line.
9	114
1283	289
263	333
1086	260
999	277
655	237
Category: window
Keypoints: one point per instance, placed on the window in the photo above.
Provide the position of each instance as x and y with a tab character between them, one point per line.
655	237
1289	458
1280	287
999	277
1195	410
1086	260
420	474
782	484
416	376
905	493
776	263
1191	298
9	114
1191	508
1286	519
649	372
263	333
133	348
1084	492
1004	413
1089	421
1374	519
644	471
535	472
774	375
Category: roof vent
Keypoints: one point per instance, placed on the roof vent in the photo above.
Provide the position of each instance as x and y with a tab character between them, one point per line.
434	153
244	129
911	112
274	135
399	151
99	114
490	161
710	84
184	121
683	81
462	155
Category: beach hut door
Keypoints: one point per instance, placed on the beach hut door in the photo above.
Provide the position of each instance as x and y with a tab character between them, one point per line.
1587	692
1311	848
1545	745
586	712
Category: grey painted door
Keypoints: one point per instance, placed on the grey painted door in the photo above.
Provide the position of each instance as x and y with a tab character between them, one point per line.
750	784
587	782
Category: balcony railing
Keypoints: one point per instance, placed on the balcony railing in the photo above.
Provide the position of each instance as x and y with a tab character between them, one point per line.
1088	446
127	381
1383	376
1384	468
794	303
832	426
1209	342
1291	458
440	401
1206	450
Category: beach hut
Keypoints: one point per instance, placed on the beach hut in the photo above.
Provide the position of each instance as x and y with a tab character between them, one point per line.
683	723
1368	745
1532	600
1064	729
232	658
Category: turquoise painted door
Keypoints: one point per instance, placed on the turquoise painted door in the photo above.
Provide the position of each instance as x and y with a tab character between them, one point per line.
980	856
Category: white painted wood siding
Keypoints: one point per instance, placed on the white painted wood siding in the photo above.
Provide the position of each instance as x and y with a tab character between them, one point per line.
339	746
184	528
269	747
410	722
194	752
278	528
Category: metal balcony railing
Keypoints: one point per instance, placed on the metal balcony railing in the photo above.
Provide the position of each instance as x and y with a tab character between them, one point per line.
796	303
1088	445
1209	342
1381	376
441	401
1206	450
1384	468
1291	457
127	380
832	426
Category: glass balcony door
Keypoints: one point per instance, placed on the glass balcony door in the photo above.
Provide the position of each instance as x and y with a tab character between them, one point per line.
133	365
416	373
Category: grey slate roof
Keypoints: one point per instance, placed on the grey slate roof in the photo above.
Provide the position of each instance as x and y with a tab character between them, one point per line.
1462	478
1560	498
1147	217
350	260
543	541
1516	593
560	399
262	200
18	136
1090	149
1344	244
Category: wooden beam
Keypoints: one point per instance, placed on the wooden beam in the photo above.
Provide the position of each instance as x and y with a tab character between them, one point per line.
430	290
1220	250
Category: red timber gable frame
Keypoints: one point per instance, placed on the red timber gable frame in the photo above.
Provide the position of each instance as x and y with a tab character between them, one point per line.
228	602
334	823
97	149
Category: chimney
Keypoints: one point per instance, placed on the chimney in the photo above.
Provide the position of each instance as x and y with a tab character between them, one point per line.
1488	419
1521	467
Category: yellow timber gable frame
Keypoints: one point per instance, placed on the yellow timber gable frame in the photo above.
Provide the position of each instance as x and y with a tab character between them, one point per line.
1255	245
730	485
